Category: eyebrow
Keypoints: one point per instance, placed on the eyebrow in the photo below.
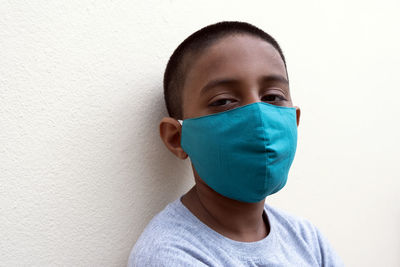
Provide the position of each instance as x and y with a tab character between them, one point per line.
228	81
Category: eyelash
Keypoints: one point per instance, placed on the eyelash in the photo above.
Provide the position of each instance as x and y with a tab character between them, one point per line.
218	103
280	98
215	103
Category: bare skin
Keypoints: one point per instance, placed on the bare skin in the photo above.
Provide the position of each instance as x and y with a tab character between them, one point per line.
235	71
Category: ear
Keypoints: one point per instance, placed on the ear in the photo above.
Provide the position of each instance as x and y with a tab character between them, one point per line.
298	115
170	133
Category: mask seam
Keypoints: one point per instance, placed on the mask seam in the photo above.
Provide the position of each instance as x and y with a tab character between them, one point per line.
266	152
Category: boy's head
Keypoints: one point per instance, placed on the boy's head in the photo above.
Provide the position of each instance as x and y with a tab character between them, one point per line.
193	47
221	67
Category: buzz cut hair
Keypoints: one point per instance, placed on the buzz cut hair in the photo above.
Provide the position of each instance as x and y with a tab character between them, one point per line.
186	53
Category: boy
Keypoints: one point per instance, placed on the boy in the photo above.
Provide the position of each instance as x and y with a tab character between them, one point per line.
227	93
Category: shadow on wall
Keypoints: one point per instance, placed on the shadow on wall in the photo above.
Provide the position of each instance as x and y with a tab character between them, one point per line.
162	177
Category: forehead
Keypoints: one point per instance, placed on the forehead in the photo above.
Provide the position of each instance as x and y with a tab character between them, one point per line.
240	55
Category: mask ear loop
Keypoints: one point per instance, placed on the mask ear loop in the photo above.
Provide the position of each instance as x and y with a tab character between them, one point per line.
180	121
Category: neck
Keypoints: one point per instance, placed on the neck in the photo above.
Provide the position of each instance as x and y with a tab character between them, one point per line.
236	220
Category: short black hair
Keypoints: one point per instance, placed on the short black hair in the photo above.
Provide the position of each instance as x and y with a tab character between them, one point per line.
181	59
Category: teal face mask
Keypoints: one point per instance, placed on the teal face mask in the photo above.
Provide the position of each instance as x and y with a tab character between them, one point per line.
244	153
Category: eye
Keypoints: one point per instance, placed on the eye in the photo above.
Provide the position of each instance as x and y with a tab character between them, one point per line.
221	102
273	98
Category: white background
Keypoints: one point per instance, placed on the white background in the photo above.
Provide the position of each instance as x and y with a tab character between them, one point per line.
82	169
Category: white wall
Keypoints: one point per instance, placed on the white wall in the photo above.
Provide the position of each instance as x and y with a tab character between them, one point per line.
82	169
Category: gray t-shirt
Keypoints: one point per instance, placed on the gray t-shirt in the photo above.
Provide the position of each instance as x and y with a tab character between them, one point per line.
175	237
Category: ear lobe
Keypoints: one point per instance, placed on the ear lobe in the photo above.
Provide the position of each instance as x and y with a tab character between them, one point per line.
170	133
298	115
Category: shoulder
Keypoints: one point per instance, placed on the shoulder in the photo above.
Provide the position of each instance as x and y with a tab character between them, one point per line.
304	235
166	239
291	224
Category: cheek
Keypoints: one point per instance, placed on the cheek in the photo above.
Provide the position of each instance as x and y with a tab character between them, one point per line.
193	106
189	105
289	103
185	105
